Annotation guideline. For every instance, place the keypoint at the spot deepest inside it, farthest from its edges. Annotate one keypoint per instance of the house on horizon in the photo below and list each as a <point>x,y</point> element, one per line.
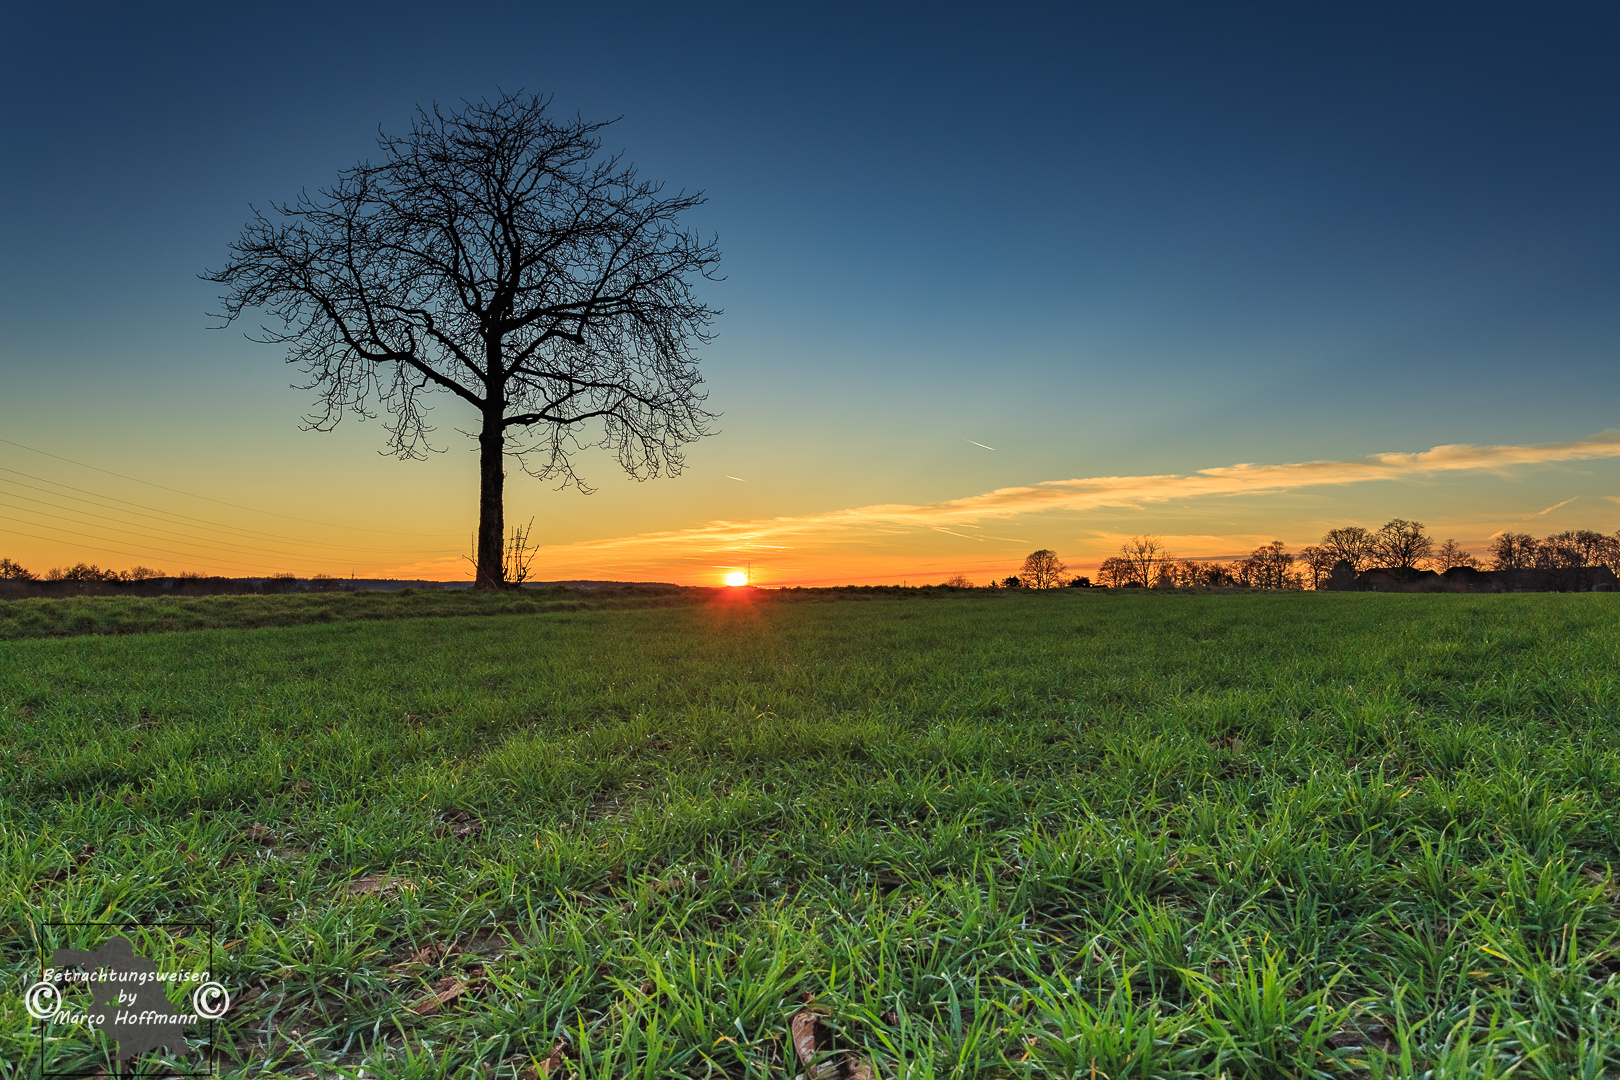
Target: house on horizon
<point>1468,579</point>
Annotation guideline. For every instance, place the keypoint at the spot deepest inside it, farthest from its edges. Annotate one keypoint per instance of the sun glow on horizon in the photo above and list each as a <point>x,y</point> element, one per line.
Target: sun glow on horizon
<point>737,577</point>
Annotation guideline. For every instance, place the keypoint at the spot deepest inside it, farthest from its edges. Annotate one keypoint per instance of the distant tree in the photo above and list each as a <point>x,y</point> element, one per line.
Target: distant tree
<point>1271,567</point>
<point>1594,547</point>
<point>1192,574</point>
<point>958,581</point>
<point>1242,571</point>
<point>1402,545</point>
<point>277,584</point>
<point>1115,573</point>
<point>1042,570</point>
<point>10,571</point>
<point>1611,554</point>
<point>1450,554</point>
<point>80,572</point>
<point>1145,555</point>
<point>1079,581</point>
<point>489,254</point>
<point>1351,544</point>
<point>1570,559</point>
<point>1319,560</point>
<point>139,573</point>
<point>1011,582</point>
<point>1513,553</point>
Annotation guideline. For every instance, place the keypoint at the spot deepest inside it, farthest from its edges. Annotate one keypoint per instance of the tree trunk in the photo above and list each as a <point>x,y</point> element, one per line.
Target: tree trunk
<point>491,508</point>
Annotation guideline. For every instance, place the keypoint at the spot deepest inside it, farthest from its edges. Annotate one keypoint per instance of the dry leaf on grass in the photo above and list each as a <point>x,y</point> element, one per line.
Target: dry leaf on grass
<point>258,834</point>
<point>445,991</point>
<point>809,1039</point>
<point>803,1029</point>
<point>555,1061</point>
<point>60,873</point>
<point>381,885</point>
<point>461,825</point>
<point>1377,1035</point>
<point>858,1067</point>
<point>428,955</point>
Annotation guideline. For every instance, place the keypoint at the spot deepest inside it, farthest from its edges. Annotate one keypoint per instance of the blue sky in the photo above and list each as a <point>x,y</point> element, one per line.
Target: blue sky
<point>1107,241</point>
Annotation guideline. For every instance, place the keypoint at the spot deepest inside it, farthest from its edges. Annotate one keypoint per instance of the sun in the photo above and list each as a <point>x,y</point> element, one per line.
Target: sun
<point>736,577</point>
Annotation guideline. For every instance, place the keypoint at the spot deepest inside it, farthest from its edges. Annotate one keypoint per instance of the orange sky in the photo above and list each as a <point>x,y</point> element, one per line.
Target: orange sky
<point>60,511</point>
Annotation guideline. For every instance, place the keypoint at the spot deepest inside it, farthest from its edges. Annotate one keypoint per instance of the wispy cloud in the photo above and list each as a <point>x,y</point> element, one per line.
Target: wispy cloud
<point>1554,506</point>
<point>846,529</point>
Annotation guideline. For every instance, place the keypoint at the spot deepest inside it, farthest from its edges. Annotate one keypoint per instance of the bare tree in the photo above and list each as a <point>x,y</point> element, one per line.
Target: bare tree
<point>1570,560</point>
<point>1204,575</point>
<point>958,581</point>
<point>1402,545</point>
<point>1319,560</point>
<point>1146,557</point>
<point>490,256</point>
<point>1351,544</point>
<point>80,572</point>
<point>13,571</point>
<point>1115,572</point>
<point>1450,554</point>
<point>1513,553</point>
<point>1042,570</point>
<point>1611,554</point>
<point>1271,567</point>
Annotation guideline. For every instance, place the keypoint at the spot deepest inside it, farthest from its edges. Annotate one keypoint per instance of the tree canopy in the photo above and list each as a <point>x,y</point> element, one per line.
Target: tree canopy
<point>492,256</point>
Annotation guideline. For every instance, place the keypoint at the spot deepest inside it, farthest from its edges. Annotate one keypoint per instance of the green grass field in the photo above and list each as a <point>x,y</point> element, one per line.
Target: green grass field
<point>1072,834</point>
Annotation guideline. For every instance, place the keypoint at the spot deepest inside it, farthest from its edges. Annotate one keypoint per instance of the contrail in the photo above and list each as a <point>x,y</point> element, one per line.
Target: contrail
<point>981,444</point>
<point>739,479</point>
<point>1554,506</point>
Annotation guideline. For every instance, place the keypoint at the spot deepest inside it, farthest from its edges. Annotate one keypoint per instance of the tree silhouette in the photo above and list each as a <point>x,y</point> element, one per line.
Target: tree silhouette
<point>1042,570</point>
<point>1270,567</point>
<point>1115,572</point>
<point>1402,545</point>
<point>1351,544</point>
<point>1450,554</point>
<point>1146,557</point>
<point>1513,553</point>
<point>490,256</point>
<point>1320,561</point>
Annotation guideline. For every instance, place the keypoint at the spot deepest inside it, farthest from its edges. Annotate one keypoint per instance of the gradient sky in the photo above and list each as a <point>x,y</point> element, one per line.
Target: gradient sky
<point>1130,247</point>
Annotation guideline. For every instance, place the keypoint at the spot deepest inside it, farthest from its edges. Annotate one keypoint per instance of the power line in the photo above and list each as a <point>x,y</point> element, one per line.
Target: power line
<point>129,530</point>
<point>172,518</point>
<point>206,498</point>
<point>110,551</point>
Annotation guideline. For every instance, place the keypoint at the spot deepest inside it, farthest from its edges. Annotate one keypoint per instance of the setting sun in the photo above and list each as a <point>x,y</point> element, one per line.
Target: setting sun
<point>736,577</point>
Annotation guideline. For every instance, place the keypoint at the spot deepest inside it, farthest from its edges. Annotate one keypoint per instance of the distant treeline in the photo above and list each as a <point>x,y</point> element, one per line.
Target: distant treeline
<point>87,579</point>
<point>1399,554</point>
